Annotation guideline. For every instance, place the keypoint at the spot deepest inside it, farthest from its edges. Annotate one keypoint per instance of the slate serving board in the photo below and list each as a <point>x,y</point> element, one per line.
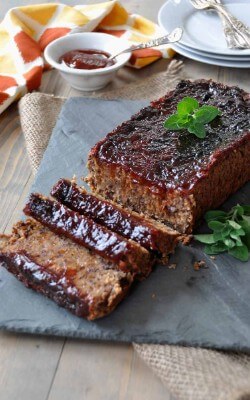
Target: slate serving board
<point>208,308</point>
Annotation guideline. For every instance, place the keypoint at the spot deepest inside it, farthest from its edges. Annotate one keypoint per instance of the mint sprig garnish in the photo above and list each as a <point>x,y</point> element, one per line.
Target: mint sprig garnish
<point>192,117</point>
<point>231,232</point>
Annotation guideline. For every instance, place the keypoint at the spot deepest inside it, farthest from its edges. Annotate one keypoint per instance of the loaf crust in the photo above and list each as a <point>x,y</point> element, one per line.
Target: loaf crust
<point>174,176</point>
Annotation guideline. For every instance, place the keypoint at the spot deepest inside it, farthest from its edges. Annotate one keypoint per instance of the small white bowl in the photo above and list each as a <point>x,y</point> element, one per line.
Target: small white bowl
<point>83,79</point>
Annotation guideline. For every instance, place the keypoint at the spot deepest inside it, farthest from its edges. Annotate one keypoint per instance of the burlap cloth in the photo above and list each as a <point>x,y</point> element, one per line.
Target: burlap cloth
<point>188,373</point>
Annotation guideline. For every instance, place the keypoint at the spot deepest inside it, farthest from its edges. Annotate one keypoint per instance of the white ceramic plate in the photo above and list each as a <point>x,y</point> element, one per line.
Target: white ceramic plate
<point>217,56</point>
<point>212,55</point>
<point>203,29</point>
<point>210,60</point>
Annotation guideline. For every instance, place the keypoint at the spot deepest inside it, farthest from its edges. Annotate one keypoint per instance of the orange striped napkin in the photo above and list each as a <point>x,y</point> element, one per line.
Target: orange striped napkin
<point>26,31</point>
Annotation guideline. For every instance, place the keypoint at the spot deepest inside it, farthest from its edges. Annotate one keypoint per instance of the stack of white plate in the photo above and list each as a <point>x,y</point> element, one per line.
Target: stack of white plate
<point>203,39</point>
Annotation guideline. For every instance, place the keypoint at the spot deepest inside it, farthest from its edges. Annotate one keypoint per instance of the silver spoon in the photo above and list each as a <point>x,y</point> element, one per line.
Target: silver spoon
<point>172,37</point>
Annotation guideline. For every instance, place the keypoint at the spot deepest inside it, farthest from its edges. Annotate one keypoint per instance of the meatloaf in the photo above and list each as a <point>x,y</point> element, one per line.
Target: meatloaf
<point>127,254</point>
<point>66,272</point>
<point>150,234</point>
<point>174,176</point>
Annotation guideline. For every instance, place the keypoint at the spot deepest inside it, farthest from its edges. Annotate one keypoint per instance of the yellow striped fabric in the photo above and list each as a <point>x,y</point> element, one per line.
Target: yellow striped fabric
<point>26,31</point>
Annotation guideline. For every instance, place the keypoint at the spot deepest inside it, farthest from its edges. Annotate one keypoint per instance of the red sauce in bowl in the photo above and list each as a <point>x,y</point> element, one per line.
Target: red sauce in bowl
<point>86,59</point>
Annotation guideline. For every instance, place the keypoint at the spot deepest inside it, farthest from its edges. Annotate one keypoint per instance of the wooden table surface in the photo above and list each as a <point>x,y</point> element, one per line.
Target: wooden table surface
<point>47,368</point>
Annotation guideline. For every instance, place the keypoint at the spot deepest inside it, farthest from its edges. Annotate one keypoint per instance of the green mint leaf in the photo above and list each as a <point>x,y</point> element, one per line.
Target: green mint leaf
<point>220,235</point>
<point>197,129</point>
<point>240,232</point>
<point>234,224</point>
<point>229,243</point>
<point>246,239</point>
<point>172,123</point>
<point>231,232</point>
<point>216,226</point>
<point>208,250</point>
<point>215,248</point>
<point>246,218</point>
<point>191,117</point>
<point>206,238</point>
<point>236,233</point>
<point>227,229</point>
<point>206,114</point>
<point>237,240</point>
<point>214,214</point>
<point>187,106</point>
<point>240,252</point>
<point>219,247</point>
<point>176,122</point>
<point>239,210</point>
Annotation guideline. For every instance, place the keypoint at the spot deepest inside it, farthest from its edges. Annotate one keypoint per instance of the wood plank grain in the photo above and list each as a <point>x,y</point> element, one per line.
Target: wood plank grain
<point>27,365</point>
<point>14,166</point>
<point>91,371</point>
<point>100,371</point>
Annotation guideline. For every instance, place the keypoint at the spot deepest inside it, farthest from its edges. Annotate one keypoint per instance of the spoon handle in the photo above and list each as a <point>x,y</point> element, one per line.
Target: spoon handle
<point>239,29</point>
<point>172,37</point>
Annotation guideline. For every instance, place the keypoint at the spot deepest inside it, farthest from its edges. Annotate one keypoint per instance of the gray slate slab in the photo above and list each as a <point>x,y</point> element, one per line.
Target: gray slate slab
<point>209,308</point>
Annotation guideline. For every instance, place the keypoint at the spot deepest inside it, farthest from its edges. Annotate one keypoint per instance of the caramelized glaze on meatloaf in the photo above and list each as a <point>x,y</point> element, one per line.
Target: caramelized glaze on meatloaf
<point>174,176</point>
<point>150,234</point>
<point>127,254</point>
<point>71,275</point>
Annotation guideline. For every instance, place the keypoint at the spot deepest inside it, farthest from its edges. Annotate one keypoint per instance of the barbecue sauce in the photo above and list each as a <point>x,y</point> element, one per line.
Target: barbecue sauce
<point>177,160</point>
<point>86,59</point>
<point>106,214</point>
<point>87,233</point>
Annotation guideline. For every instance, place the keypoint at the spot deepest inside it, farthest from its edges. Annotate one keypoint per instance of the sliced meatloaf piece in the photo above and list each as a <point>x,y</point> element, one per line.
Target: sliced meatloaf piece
<point>150,234</point>
<point>174,176</point>
<point>69,274</point>
<point>127,254</point>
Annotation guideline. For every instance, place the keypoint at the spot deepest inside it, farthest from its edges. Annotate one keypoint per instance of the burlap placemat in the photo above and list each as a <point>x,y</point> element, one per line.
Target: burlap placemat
<point>188,373</point>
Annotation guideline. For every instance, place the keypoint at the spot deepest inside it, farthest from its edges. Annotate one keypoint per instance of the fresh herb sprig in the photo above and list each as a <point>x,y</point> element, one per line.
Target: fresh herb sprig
<point>192,117</point>
<point>231,232</point>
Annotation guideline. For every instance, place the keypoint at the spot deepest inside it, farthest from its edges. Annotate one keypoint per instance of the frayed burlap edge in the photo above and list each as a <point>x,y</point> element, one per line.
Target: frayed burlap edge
<point>199,374</point>
<point>188,373</point>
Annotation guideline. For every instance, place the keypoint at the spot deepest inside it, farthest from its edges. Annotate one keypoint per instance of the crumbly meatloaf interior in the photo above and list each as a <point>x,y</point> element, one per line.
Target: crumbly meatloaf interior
<point>127,254</point>
<point>174,176</point>
<point>150,234</point>
<point>117,185</point>
<point>73,276</point>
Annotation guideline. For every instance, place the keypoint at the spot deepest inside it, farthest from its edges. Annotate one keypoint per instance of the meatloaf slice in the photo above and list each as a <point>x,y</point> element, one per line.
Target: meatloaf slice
<point>127,254</point>
<point>66,272</point>
<point>150,234</point>
<point>174,176</point>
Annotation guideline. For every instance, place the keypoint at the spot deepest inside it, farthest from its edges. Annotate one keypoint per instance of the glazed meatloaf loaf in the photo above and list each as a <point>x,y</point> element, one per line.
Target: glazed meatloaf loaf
<point>64,271</point>
<point>127,254</point>
<point>173,176</point>
<point>150,234</point>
